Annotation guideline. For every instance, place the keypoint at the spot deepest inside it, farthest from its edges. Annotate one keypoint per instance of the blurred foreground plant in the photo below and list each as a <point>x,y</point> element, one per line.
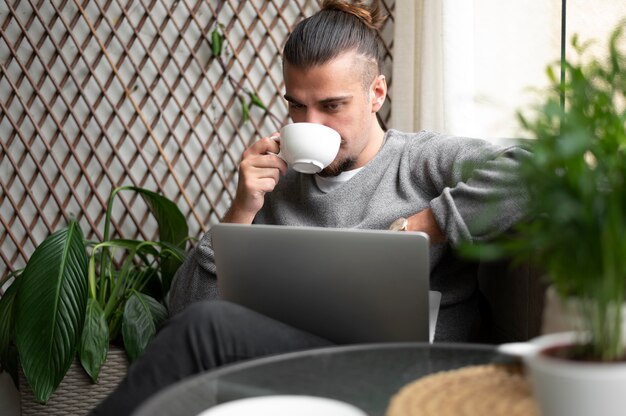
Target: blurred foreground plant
<point>575,179</point>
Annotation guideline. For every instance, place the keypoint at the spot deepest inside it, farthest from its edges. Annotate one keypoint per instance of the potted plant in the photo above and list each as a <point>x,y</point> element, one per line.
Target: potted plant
<point>576,180</point>
<point>76,297</point>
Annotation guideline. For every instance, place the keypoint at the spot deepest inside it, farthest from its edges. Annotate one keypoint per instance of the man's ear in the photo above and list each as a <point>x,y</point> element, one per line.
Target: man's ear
<point>378,92</point>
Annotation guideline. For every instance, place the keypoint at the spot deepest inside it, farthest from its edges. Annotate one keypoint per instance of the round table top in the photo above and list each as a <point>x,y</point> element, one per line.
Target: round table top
<point>366,376</point>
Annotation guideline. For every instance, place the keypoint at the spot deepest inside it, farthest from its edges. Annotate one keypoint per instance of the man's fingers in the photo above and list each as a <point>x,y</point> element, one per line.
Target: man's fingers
<point>264,161</point>
<point>259,172</point>
<point>262,175</point>
<point>262,147</point>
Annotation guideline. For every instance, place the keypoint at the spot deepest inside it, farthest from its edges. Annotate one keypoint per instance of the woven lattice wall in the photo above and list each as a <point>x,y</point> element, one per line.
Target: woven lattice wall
<point>98,94</point>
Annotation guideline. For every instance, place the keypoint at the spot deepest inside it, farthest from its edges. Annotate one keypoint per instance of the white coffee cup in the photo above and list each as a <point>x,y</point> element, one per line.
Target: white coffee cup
<point>308,147</point>
<point>284,405</point>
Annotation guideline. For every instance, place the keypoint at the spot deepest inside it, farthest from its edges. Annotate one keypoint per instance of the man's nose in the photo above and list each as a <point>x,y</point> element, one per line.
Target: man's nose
<point>313,116</point>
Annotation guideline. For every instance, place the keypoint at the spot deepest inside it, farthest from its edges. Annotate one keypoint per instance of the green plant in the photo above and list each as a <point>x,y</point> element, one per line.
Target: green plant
<point>577,191</point>
<point>75,297</point>
<point>249,98</point>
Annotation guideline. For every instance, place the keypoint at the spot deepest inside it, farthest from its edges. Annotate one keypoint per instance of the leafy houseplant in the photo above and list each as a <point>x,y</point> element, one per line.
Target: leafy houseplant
<point>576,179</point>
<point>75,297</point>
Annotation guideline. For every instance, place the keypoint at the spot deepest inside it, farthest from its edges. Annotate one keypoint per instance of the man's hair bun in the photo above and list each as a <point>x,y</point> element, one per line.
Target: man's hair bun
<point>370,14</point>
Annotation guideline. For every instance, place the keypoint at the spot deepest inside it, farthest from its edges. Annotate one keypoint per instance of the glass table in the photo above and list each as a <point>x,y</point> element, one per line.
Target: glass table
<point>366,376</point>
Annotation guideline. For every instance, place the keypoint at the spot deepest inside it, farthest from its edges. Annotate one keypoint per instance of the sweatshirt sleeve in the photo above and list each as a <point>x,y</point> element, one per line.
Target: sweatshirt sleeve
<point>195,279</point>
<point>479,194</point>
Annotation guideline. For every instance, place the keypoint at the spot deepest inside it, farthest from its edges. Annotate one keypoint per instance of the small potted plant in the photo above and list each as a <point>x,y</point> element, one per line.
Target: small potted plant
<point>576,180</point>
<point>76,297</point>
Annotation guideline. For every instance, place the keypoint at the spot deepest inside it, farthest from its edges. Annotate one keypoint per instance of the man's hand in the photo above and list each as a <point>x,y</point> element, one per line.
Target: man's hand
<point>425,221</point>
<point>259,172</point>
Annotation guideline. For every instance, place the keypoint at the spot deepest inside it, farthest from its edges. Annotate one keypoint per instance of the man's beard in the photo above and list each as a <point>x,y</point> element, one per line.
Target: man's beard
<point>337,167</point>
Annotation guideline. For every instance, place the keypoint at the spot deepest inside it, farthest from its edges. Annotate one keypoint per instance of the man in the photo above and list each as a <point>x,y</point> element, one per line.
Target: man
<point>333,77</point>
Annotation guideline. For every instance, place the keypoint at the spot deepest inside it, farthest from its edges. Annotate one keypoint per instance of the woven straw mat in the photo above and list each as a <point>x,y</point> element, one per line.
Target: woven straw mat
<point>475,390</point>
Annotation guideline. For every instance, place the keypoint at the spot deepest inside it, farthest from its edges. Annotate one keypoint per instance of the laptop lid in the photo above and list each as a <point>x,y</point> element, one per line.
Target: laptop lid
<point>345,285</point>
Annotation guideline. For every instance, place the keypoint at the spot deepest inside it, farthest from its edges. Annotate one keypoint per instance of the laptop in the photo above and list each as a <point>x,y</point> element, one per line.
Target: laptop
<point>345,285</point>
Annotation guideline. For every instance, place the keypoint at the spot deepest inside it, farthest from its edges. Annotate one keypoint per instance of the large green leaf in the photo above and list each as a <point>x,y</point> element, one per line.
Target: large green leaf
<point>172,256</point>
<point>7,322</point>
<point>130,245</point>
<point>142,317</point>
<point>7,331</point>
<point>172,229</point>
<point>94,341</point>
<point>50,309</point>
<point>172,224</point>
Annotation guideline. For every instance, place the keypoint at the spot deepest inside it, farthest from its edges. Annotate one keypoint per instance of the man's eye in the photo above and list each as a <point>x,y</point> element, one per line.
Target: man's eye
<point>333,106</point>
<point>295,106</point>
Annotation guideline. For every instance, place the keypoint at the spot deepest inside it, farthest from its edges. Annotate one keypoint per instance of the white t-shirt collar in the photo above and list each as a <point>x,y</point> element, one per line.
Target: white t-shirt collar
<point>327,184</point>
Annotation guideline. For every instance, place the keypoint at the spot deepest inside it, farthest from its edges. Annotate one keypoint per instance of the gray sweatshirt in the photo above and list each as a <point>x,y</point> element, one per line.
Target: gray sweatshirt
<point>469,184</point>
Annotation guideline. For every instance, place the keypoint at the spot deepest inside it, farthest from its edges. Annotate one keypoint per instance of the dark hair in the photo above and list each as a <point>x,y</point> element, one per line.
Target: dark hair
<point>338,27</point>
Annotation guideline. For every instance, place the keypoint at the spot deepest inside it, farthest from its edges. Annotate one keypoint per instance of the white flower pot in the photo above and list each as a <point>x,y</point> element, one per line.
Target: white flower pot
<point>573,388</point>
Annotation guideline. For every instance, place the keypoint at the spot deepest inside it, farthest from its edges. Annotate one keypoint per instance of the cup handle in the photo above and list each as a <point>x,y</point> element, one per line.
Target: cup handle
<point>276,137</point>
<point>517,349</point>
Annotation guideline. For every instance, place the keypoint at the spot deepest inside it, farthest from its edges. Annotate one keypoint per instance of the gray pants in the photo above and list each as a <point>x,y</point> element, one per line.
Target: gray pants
<point>202,337</point>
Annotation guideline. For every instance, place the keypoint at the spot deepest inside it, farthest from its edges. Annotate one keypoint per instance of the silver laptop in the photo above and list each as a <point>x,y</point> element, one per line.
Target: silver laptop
<point>345,285</point>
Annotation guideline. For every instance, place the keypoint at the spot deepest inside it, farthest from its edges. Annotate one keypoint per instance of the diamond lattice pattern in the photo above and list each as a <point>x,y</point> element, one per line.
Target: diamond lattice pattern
<point>99,94</point>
